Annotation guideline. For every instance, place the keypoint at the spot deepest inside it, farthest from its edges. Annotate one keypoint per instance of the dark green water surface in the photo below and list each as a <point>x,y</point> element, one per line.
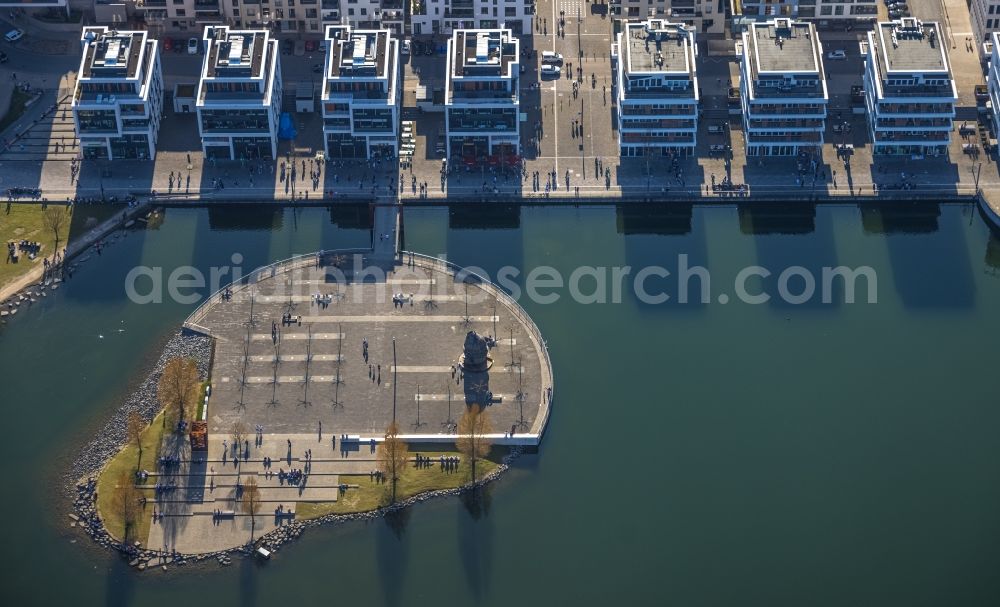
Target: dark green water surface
<point>698,454</point>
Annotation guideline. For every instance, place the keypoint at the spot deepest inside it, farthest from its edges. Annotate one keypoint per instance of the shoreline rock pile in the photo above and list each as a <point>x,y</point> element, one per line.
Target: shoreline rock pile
<point>111,437</point>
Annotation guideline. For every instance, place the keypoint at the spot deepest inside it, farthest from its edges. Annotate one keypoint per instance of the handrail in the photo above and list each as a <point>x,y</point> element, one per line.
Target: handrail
<point>548,380</point>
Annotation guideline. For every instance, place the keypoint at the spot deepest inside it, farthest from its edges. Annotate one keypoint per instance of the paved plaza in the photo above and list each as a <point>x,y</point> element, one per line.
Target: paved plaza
<point>291,359</point>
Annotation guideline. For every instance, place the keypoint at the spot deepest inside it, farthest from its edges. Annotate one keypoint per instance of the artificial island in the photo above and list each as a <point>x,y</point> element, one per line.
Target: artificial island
<point>326,372</point>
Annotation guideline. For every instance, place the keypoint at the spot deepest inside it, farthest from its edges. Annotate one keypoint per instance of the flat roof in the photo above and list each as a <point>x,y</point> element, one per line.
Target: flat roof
<point>235,53</point>
<point>358,53</point>
<point>483,53</point>
<point>911,46</point>
<point>658,46</point>
<point>109,53</point>
<point>783,45</point>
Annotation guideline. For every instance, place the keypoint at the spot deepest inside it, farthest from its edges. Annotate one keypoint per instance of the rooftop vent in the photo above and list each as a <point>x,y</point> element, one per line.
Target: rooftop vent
<point>235,50</point>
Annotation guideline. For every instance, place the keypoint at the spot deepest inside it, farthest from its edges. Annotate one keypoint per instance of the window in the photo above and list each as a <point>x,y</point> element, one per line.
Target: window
<point>291,13</point>
<point>181,12</point>
<point>485,10</point>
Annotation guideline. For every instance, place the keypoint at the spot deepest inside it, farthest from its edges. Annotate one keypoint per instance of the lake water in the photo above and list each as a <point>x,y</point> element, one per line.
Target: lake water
<point>698,454</point>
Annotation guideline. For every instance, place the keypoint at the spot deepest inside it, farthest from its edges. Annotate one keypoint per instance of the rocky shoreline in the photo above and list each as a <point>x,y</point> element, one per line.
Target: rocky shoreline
<point>86,517</point>
<point>111,439</point>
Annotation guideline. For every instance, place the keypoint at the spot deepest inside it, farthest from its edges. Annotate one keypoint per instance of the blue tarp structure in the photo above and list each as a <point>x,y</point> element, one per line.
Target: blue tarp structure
<point>286,128</point>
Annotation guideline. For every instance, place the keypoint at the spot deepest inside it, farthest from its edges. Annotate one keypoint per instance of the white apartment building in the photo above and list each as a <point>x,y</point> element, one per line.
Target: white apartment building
<point>823,10</point>
<point>365,14</point>
<point>239,94</point>
<point>118,99</point>
<point>782,88</point>
<point>985,16</point>
<point>657,88</point>
<point>704,16</point>
<point>909,90</point>
<point>993,81</point>
<point>482,99</point>
<point>284,16</point>
<point>446,16</point>
<point>361,93</point>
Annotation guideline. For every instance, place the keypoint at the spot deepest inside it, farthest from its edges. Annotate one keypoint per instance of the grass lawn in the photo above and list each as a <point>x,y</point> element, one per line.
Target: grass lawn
<point>18,99</point>
<point>371,494</point>
<point>25,222</point>
<point>125,461</point>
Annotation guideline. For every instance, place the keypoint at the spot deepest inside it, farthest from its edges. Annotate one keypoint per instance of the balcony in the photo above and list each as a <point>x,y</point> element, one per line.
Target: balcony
<point>804,137</point>
<point>905,136</point>
<point>651,125</point>
<point>645,110</point>
<point>149,4</point>
<point>787,110</point>
<point>786,124</point>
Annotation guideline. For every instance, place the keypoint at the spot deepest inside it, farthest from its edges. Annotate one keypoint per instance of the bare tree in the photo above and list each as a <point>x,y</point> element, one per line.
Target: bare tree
<point>239,434</point>
<point>472,441</point>
<point>178,387</point>
<point>55,217</point>
<point>134,425</point>
<point>392,455</point>
<point>125,501</point>
<point>250,503</point>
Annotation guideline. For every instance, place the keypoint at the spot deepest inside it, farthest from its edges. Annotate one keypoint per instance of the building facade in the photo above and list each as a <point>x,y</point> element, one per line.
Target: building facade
<point>704,16</point>
<point>782,88</point>
<point>361,93</point>
<point>365,14</point>
<point>909,90</point>
<point>482,98</point>
<point>985,17</point>
<point>823,10</point>
<point>656,91</point>
<point>993,82</point>
<point>118,100</point>
<point>429,17</point>
<point>239,94</point>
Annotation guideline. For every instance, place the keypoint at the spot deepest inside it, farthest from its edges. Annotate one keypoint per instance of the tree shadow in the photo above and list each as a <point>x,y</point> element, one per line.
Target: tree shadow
<point>248,592</point>
<point>391,555</point>
<point>475,540</point>
<point>120,583</point>
<point>397,521</point>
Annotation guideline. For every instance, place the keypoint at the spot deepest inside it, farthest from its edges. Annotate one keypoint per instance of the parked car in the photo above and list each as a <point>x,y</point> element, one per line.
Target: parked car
<point>179,45</point>
<point>3,57</point>
<point>311,46</point>
<point>550,70</point>
<point>897,13</point>
<point>192,46</point>
<point>899,6</point>
<point>406,47</point>
<point>168,44</point>
<point>317,68</point>
<point>14,35</point>
<point>837,54</point>
<point>287,46</point>
<point>551,57</point>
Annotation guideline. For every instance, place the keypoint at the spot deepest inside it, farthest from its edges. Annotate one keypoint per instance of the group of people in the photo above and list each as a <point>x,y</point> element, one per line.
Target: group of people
<point>287,319</point>
<point>17,193</point>
<point>400,299</point>
<point>293,476</point>
<point>322,300</point>
<point>26,247</point>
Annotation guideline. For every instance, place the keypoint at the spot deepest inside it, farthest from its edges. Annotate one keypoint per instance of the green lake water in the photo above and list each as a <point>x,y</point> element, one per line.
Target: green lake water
<point>698,454</point>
